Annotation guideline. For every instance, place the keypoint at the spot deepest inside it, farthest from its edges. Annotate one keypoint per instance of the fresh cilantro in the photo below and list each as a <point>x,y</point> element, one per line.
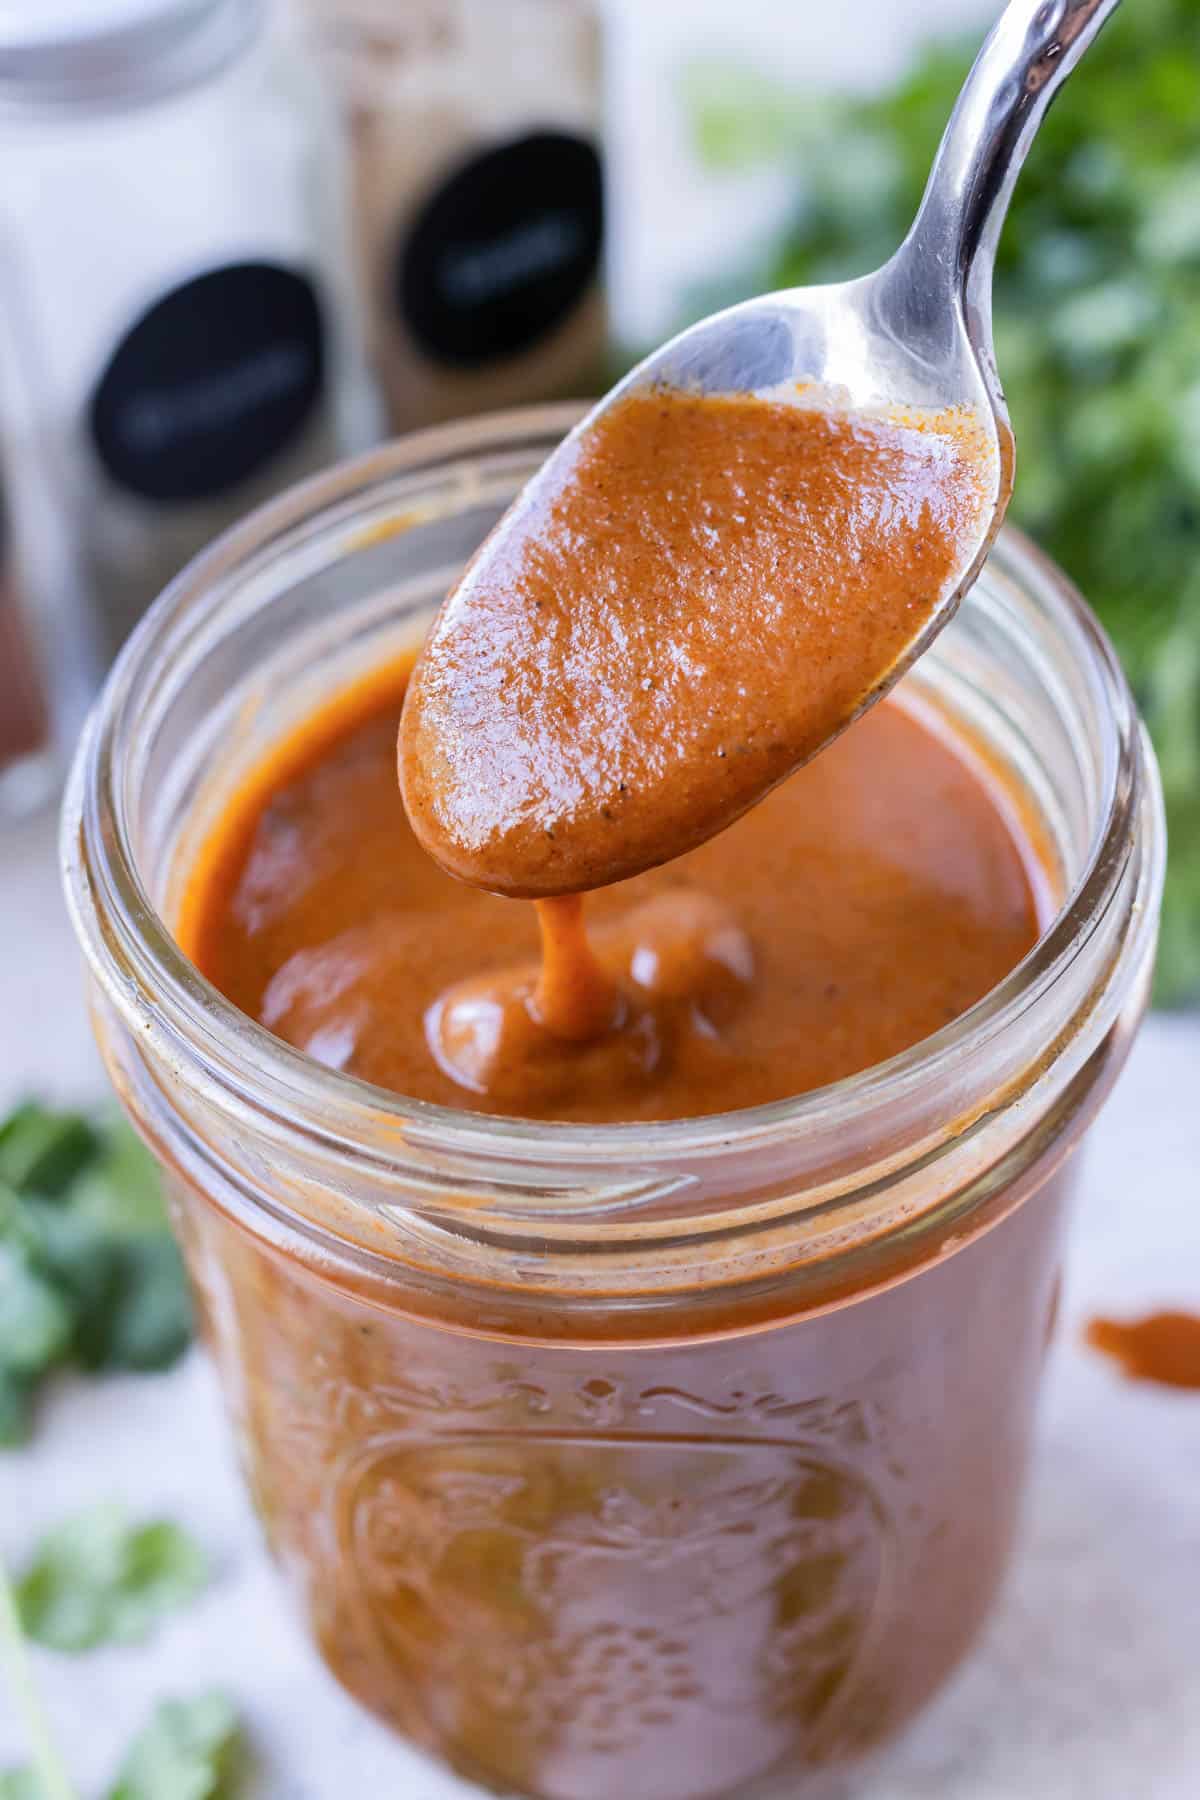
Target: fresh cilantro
<point>89,1272</point>
<point>35,1320</point>
<point>1097,318</point>
<point>188,1751</point>
<point>100,1579</point>
<point>119,1189</point>
<point>44,1778</point>
<point>43,1151</point>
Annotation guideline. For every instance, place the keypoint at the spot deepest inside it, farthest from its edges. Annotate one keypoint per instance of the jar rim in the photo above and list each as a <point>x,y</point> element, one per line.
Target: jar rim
<point>133,954</point>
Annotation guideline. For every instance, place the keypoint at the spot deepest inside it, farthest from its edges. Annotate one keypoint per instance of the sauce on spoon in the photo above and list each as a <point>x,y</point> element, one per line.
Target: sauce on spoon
<point>673,621</point>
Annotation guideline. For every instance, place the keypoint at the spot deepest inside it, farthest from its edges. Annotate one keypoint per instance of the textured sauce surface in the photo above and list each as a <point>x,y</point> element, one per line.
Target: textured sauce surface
<point>669,622</point>
<point>866,902</point>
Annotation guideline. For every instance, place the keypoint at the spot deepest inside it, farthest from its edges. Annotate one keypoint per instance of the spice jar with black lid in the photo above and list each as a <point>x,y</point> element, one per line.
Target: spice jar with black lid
<point>170,191</point>
<point>474,133</point>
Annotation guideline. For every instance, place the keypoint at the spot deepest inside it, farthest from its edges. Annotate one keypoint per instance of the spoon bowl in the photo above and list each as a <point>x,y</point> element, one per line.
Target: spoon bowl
<point>743,546</point>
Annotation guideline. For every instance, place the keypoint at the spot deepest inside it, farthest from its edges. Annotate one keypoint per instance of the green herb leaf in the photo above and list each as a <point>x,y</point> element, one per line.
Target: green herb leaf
<point>99,1579</point>
<point>128,1290</point>
<point>119,1190</point>
<point>45,1778</point>
<point>188,1751</point>
<point>89,1271</point>
<point>43,1151</point>
<point>35,1320</point>
<point>16,1409</point>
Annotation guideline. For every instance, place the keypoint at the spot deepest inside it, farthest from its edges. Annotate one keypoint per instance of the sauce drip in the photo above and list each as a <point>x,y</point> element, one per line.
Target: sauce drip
<point>671,620</point>
<point>1164,1347</point>
<point>574,997</point>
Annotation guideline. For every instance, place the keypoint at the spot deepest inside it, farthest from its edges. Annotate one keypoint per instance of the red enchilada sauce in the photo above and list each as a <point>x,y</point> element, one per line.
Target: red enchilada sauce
<point>865,903</point>
<point>662,629</point>
<point>707,595</point>
<point>573,1563</point>
<point>1164,1347</point>
<point>586,1567</point>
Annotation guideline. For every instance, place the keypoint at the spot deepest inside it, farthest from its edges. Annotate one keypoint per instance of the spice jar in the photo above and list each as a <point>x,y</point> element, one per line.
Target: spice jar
<point>474,132</point>
<point>169,188</point>
<point>627,1459</point>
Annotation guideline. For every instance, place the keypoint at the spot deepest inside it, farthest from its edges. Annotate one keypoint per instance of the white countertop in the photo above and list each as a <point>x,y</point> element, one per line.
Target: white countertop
<point>1086,1686</point>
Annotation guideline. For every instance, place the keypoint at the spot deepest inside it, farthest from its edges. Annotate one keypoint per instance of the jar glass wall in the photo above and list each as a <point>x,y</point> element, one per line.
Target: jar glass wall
<point>662,1459</point>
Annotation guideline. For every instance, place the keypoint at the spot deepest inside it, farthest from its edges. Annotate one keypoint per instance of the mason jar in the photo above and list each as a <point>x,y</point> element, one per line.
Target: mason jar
<point>678,1459</point>
<point>176,296</point>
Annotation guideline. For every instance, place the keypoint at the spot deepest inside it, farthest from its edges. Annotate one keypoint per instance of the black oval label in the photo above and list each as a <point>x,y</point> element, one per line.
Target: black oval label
<point>212,381</point>
<point>504,249</point>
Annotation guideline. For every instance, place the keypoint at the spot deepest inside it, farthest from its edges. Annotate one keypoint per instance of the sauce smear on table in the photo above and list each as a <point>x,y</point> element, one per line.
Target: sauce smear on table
<point>1164,1347</point>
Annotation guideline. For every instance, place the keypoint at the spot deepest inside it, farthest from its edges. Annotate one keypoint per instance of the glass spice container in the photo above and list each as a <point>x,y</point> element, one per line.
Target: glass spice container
<point>169,179</point>
<point>474,133</point>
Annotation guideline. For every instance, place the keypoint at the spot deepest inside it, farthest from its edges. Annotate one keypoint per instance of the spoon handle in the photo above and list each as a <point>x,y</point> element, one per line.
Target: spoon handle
<point>1031,50</point>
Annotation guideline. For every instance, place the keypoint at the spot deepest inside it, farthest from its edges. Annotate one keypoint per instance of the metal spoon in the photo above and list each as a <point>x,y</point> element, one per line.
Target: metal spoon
<point>918,331</point>
<point>915,336</point>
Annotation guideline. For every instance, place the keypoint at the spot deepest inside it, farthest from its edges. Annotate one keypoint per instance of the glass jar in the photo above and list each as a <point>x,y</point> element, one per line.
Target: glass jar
<point>475,143</point>
<point>175,297</point>
<point>663,1459</point>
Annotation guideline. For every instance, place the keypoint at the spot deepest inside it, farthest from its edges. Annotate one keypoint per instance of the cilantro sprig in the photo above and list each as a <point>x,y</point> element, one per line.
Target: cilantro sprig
<point>90,1275</point>
<point>100,1578</point>
<point>44,1778</point>
<point>189,1749</point>
<point>89,1272</point>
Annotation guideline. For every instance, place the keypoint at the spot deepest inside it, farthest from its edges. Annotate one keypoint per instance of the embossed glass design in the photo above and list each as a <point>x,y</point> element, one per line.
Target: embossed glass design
<point>674,1460</point>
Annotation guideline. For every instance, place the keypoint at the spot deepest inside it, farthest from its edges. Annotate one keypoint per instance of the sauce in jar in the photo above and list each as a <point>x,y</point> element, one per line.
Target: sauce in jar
<point>664,1457</point>
<point>872,898</point>
<point>559,1573</point>
<point>541,1609</point>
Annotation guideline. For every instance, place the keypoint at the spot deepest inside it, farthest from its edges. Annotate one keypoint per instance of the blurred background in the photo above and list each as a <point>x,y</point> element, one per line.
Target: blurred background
<point>241,238</point>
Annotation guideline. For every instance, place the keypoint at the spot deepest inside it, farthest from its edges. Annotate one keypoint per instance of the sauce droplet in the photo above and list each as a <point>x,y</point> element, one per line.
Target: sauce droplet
<point>1164,1347</point>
